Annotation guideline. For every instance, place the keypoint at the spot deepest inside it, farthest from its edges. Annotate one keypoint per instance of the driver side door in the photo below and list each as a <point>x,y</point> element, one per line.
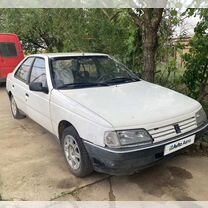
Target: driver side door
<point>38,108</point>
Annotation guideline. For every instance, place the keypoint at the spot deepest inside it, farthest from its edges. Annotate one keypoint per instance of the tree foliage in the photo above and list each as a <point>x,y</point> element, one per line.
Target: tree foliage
<point>196,61</point>
<point>65,30</point>
<point>141,46</point>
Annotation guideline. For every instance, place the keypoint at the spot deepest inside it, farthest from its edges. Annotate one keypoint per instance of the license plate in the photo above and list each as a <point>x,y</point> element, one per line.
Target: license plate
<point>175,146</point>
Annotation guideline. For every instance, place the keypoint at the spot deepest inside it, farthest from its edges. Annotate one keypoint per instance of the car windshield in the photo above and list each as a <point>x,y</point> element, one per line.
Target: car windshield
<point>89,71</point>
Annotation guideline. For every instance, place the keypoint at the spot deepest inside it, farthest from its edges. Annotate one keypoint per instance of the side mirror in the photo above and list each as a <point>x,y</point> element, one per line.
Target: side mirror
<point>38,87</point>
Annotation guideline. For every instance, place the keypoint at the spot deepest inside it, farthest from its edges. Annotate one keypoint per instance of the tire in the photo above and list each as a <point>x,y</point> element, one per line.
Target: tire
<point>76,155</point>
<point>15,111</point>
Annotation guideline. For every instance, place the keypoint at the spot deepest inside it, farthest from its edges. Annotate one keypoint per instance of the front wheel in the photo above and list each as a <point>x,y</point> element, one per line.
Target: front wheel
<point>75,153</point>
<point>15,111</point>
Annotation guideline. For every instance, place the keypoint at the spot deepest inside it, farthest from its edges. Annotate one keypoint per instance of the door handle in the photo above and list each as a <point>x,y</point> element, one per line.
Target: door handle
<point>12,86</point>
<point>26,95</point>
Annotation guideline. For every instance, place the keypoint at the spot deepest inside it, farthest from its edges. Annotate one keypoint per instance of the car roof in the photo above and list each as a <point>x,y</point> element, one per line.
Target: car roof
<point>54,55</point>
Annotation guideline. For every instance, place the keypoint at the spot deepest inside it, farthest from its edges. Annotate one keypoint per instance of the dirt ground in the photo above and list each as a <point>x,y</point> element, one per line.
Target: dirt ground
<point>32,167</point>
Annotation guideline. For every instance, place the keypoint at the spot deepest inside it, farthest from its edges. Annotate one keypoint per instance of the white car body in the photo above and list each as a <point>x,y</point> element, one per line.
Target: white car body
<point>94,111</point>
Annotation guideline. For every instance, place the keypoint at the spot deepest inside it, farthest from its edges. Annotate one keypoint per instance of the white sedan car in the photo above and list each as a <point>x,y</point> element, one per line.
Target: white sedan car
<point>105,117</point>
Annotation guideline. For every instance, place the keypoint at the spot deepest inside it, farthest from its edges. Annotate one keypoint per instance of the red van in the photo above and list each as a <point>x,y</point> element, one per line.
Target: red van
<point>11,54</point>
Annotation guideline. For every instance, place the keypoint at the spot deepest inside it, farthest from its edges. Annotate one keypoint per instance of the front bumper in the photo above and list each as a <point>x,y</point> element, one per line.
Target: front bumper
<point>130,160</point>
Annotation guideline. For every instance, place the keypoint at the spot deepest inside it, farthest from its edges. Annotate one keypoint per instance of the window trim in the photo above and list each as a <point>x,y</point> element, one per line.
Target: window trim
<point>15,74</point>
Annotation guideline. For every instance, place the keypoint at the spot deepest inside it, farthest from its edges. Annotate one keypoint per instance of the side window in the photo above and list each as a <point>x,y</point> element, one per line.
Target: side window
<point>23,71</point>
<point>38,73</point>
<point>8,50</point>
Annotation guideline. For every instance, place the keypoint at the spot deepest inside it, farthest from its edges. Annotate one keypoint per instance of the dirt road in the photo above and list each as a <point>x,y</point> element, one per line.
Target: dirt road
<point>32,167</point>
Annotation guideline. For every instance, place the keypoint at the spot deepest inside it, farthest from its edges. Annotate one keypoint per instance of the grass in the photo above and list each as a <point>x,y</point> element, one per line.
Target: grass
<point>75,194</point>
<point>170,77</point>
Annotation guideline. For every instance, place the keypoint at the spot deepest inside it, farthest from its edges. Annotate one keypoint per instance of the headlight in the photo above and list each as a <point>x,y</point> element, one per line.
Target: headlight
<point>111,139</point>
<point>201,117</point>
<point>127,137</point>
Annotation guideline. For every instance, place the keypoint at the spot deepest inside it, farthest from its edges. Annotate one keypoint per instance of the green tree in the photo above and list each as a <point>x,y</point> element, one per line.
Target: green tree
<point>44,29</point>
<point>111,31</point>
<point>148,20</point>
<point>196,61</point>
<point>65,30</point>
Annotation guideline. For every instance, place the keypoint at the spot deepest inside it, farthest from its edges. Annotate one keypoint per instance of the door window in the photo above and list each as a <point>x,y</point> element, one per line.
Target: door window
<point>38,73</point>
<point>23,71</point>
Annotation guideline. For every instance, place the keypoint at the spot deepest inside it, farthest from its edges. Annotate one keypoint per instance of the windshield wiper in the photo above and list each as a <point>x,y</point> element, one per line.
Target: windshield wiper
<point>81,85</point>
<point>122,80</point>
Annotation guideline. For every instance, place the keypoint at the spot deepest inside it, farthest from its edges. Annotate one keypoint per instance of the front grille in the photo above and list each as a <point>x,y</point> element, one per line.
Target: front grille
<point>169,131</point>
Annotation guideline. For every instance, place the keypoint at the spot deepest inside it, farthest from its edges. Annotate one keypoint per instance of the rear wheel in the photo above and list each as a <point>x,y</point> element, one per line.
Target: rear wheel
<point>15,111</point>
<point>75,153</point>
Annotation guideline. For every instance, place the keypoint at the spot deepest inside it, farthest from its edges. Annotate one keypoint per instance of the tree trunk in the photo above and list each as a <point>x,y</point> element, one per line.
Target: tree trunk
<point>149,53</point>
<point>149,20</point>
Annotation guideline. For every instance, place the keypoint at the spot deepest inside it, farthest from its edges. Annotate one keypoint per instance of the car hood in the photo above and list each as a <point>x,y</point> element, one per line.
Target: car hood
<point>133,104</point>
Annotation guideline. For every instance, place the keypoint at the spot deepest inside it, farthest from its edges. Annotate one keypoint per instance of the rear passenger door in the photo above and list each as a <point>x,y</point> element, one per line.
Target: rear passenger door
<point>19,86</point>
<point>38,102</point>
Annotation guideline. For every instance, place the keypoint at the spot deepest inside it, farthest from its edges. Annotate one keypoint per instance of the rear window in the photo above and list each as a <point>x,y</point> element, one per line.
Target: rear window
<point>8,50</point>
